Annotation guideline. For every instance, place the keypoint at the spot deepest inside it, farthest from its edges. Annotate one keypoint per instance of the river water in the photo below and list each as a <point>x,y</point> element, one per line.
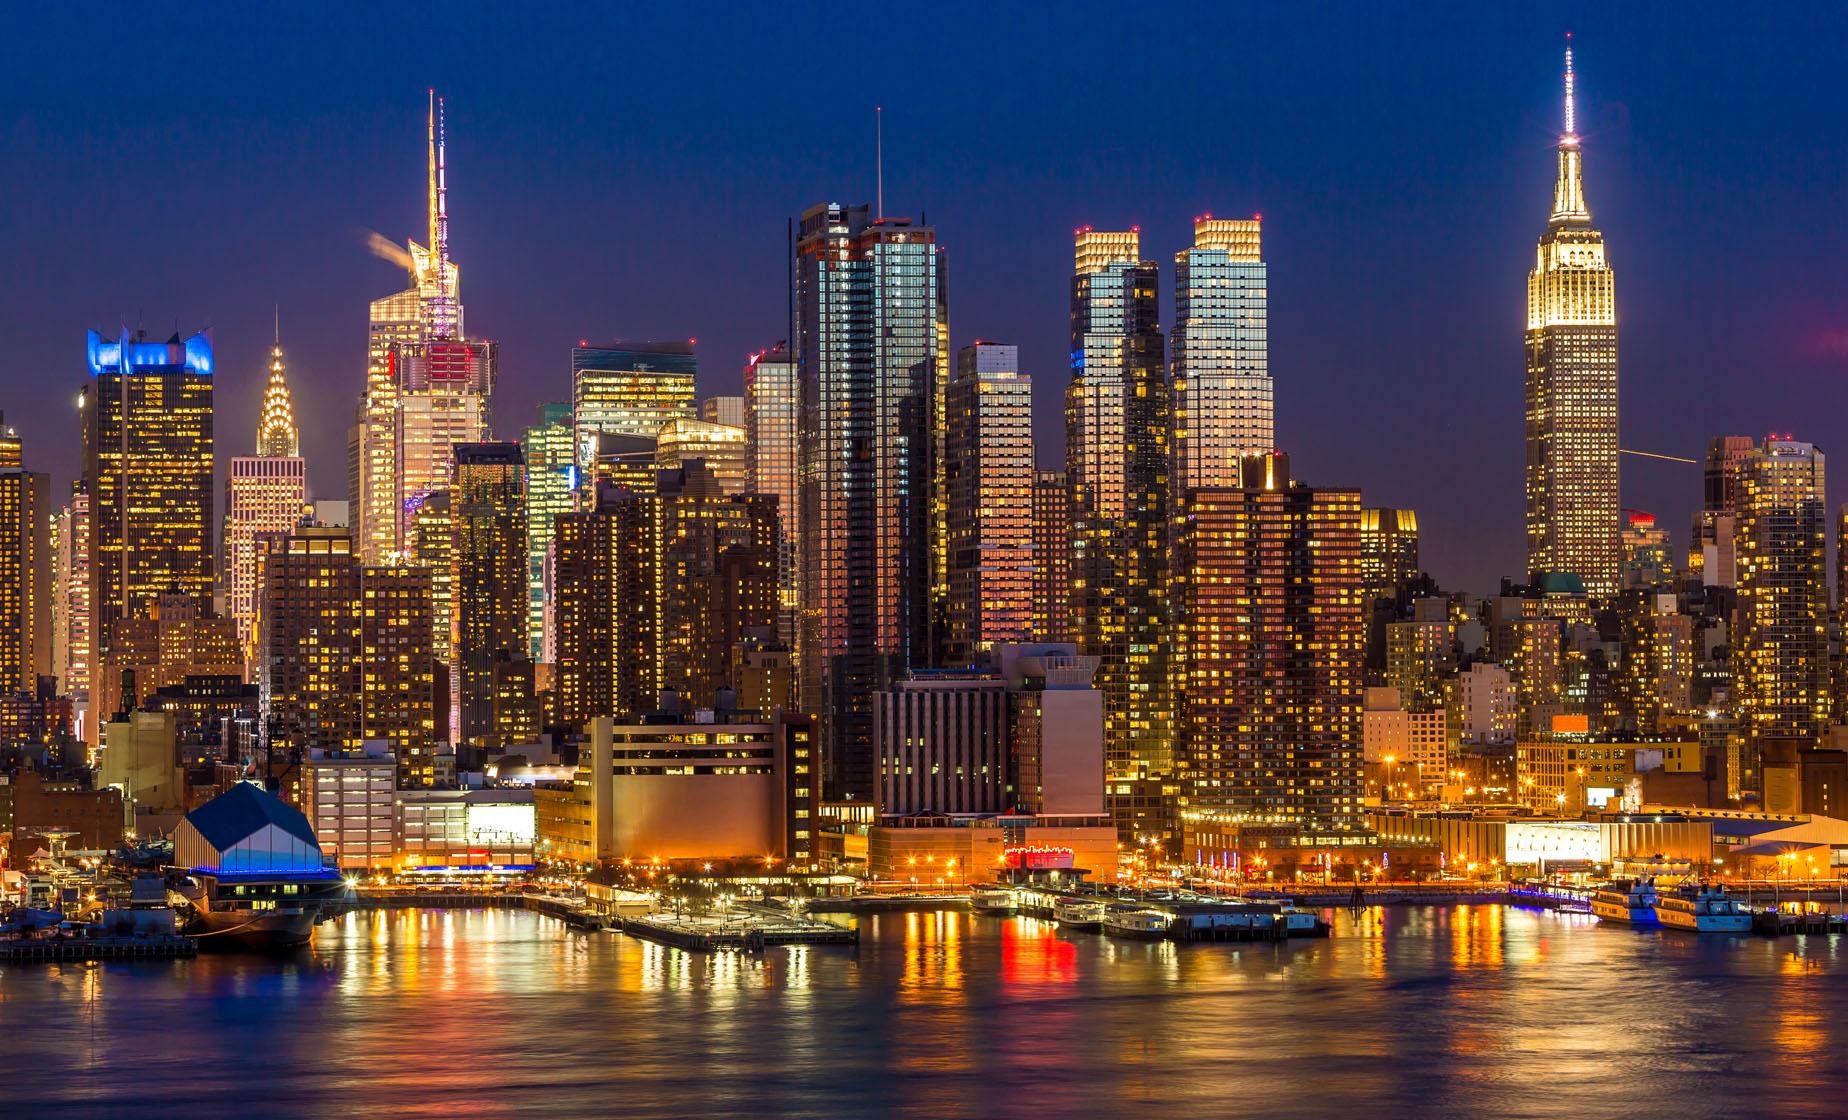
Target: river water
<point>1475,1011</point>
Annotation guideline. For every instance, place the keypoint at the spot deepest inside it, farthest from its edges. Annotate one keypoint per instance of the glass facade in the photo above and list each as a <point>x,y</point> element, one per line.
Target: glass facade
<point>629,389</point>
<point>989,479</point>
<point>771,423</point>
<point>869,329</point>
<point>722,447</point>
<point>551,478</point>
<point>1221,354</point>
<point>488,575</point>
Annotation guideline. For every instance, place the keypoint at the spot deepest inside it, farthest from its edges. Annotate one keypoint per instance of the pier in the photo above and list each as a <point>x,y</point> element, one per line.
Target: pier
<point>750,933</point>
<point>50,950</point>
<point>568,911</point>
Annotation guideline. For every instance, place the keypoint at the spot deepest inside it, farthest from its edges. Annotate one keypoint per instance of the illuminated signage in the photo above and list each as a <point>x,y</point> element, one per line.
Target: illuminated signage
<point>1038,857</point>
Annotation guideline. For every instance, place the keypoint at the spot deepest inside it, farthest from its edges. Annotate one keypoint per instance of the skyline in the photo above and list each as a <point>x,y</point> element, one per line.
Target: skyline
<point>1362,272</point>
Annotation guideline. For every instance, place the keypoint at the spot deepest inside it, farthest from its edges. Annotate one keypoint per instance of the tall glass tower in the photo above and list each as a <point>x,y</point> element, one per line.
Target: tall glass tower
<point>1117,461</point>
<point>1572,505</point>
<point>868,303</point>
<point>1221,354</point>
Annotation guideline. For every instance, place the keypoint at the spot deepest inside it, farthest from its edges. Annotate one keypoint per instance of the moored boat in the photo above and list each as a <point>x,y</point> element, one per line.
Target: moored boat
<point>1078,913</point>
<point>1137,924</point>
<point>1709,909</point>
<point>999,901</point>
<point>249,872</point>
<point>1626,902</point>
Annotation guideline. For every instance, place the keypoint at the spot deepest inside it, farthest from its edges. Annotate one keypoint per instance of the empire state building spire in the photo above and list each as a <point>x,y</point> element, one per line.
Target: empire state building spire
<point>1569,190</point>
<point>277,435</point>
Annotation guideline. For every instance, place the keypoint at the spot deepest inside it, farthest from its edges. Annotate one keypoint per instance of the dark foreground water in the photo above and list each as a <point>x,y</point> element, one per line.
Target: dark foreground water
<point>1430,1012</point>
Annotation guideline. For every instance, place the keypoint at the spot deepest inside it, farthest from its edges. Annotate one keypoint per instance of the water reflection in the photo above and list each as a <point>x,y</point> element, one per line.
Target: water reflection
<point>1404,1011</point>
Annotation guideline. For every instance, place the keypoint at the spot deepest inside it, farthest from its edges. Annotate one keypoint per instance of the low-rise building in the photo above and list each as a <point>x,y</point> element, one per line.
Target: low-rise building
<point>348,796</point>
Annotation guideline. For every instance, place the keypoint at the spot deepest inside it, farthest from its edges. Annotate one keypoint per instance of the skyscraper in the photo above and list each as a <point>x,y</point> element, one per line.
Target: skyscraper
<point>869,313</point>
<point>723,448</point>
<point>772,414</point>
<point>1780,618</point>
<point>726,410</point>
<point>629,389</point>
<point>1710,547</point>
<point>1221,354</point>
<point>989,480</point>
<point>147,468</point>
<point>1572,503</point>
<point>1388,551</point>
<point>75,594</point>
<point>551,483</point>
<point>603,615</point>
<point>1267,604</point>
<point>265,493</point>
<point>1052,557</point>
<point>1117,456</point>
<point>427,384</point>
<point>488,572</point>
<point>715,578</point>
<point>26,590</point>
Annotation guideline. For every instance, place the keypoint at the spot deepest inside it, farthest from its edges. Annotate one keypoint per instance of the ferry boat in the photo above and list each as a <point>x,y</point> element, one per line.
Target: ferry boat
<point>1078,913</point>
<point>1137,924</point>
<point>1708,910</point>
<point>1626,902</point>
<point>999,901</point>
<point>248,872</point>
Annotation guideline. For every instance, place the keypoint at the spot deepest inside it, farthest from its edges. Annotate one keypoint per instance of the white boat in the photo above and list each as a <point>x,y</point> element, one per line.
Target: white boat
<point>1708,910</point>
<point>1626,902</point>
<point>1140,925</point>
<point>1078,913</point>
<point>1000,901</point>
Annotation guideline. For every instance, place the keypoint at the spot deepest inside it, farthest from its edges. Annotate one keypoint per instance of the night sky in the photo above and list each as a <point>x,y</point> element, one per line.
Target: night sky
<point>629,174</point>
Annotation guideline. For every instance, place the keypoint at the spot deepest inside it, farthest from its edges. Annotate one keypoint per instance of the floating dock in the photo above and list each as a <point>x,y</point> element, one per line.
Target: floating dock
<point>751,934</point>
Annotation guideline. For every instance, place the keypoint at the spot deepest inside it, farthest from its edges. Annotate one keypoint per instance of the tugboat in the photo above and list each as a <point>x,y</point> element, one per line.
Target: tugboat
<point>249,873</point>
<point>1626,902</point>
<point>1708,910</point>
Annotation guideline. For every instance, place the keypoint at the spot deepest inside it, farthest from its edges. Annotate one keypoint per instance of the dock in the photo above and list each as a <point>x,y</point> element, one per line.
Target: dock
<point>751,933</point>
<point>50,950</point>
<point>1775,923</point>
<point>566,910</point>
<point>883,903</point>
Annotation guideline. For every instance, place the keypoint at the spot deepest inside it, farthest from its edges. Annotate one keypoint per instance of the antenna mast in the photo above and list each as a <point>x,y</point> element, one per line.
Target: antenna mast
<point>879,158</point>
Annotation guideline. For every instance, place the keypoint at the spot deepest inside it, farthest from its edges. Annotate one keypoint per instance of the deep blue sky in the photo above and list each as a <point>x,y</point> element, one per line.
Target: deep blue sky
<point>630,173</point>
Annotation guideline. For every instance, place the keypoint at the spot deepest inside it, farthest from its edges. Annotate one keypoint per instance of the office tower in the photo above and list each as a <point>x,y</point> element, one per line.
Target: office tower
<point>1572,387</point>
<point>147,468</point>
<point>1420,654</point>
<point>942,743</point>
<point>1220,354</point>
<point>265,493</point>
<point>432,541</point>
<point>868,315</point>
<point>444,386</point>
<point>12,448</point>
<point>1052,558</point>
<point>1117,462</point>
<point>551,484</point>
<point>428,384</point>
<point>1779,635</point>
<point>723,448</point>
<point>1710,545</point>
<point>1658,660</point>
<point>989,481</point>
<point>630,389</point>
<point>603,612</point>
<point>1388,551</point>
<point>723,410</point>
<point>1268,637</point>
<point>75,594</point>
<point>26,591</point>
<point>772,421</point>
<point>488,573</point>
<point>625,461</point>
<point>715,579</point>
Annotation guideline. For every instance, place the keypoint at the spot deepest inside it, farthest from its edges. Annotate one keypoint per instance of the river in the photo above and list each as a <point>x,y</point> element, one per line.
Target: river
<point>1423,1011</point>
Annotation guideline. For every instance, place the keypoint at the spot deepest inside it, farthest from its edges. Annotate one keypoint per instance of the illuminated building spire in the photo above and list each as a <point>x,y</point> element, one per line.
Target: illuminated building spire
<point>277,436</point>
<point>1569,189</point>
<point>430,123</point>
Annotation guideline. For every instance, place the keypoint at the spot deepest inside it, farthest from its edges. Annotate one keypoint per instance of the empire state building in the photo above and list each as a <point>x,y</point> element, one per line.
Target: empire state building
<point>1572,510</point>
